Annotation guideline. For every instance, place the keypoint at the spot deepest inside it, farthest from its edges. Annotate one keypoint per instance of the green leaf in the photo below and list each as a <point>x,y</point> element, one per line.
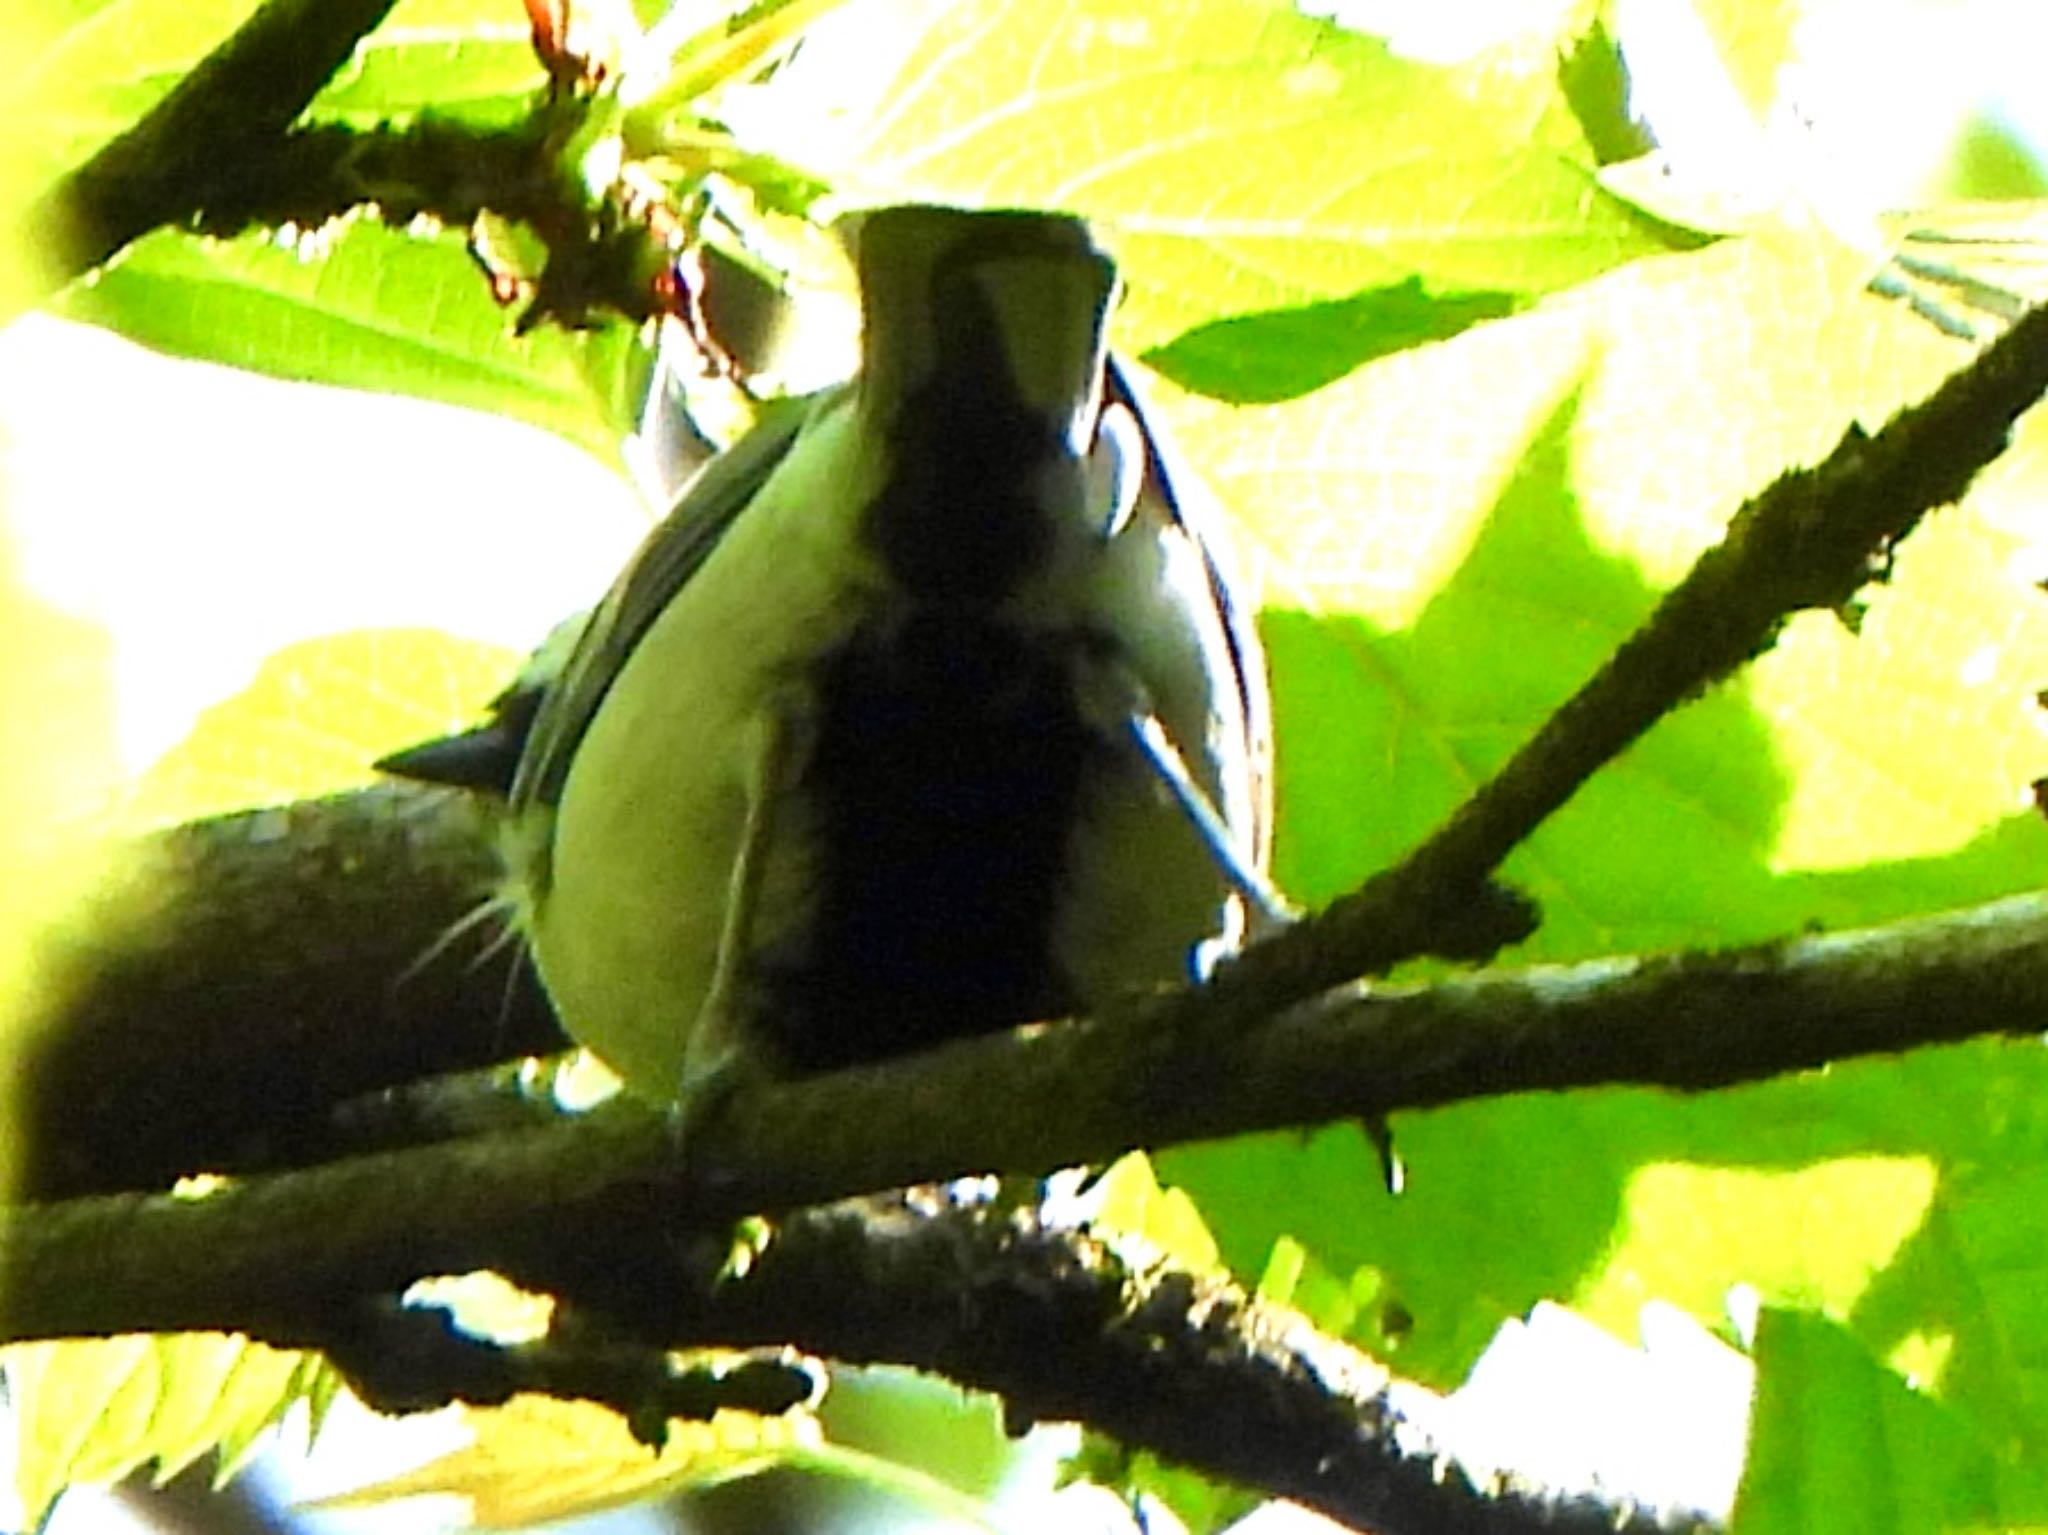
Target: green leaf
<point>536,1458</point>
<point>372,308</point>
<point>1961,1309</point>
<point>1839,1444</point>
<point>1282,354</point>
<point>893,1416</point>
<point>1127,1201</point>
<point>93,1410</point>
<point>1437,578</point>
<point>469,60</point>
<point>317,714</point>
<point>1596,83</point>
<point>1683,1227</point>
<point>1753,41</point>
<point>899,1480</point>
<point>727,50</point>
<point>1293,1278</point>
<point>101,64</point>
<point>1704,79</point>
<point>1991,161</point>
<point>97,66</point>
<point>1200,1505</point>
<point>1244,157</point>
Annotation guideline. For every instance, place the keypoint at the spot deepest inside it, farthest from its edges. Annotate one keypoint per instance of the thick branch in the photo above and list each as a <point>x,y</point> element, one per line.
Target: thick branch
<point>600,1212</point>
<point>1050,1318</point>
<point>1155,1076</point>
<point>255,953</point>
<point>1187,1366</point>
<point>1022,1102</point>
<point>286,959</point>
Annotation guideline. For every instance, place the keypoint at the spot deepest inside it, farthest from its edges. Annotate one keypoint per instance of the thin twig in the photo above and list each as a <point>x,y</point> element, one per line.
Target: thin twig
<point>400,1359</point>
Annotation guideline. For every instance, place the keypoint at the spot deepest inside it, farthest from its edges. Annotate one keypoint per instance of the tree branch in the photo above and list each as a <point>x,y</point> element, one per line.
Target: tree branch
<point>402,1358</point>
<point>1064,1328</point>
<point>1027,1101</point>
<point>221,154</point>
<point>290,958</point>
<point>1812,539</point>
<point>1050,1318</point>
<point>200,143</point>
<point>333,897</point>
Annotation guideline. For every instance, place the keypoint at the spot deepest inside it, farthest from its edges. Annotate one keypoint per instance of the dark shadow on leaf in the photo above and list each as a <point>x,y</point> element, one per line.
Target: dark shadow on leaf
<point>1283,354</point>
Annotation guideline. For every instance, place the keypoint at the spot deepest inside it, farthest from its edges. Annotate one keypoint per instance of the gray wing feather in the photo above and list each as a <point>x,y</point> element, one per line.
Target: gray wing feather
<point>1196,510</point>
<point>672,554</point>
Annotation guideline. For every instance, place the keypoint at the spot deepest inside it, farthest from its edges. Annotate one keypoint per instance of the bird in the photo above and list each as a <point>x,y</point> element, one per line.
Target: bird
<point>933,707</point>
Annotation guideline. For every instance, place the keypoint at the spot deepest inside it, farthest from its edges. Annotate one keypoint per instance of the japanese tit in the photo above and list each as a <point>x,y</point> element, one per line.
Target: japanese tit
<point>930,709</point>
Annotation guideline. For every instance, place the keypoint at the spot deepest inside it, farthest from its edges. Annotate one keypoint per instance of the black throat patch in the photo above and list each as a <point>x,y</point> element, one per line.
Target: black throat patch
<point>948,758</point>
<point>947,752</point>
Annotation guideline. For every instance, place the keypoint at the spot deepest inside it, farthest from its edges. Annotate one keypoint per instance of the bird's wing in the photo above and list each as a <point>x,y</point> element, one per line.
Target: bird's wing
<point>1195,509</point>
<point>672,554</point>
